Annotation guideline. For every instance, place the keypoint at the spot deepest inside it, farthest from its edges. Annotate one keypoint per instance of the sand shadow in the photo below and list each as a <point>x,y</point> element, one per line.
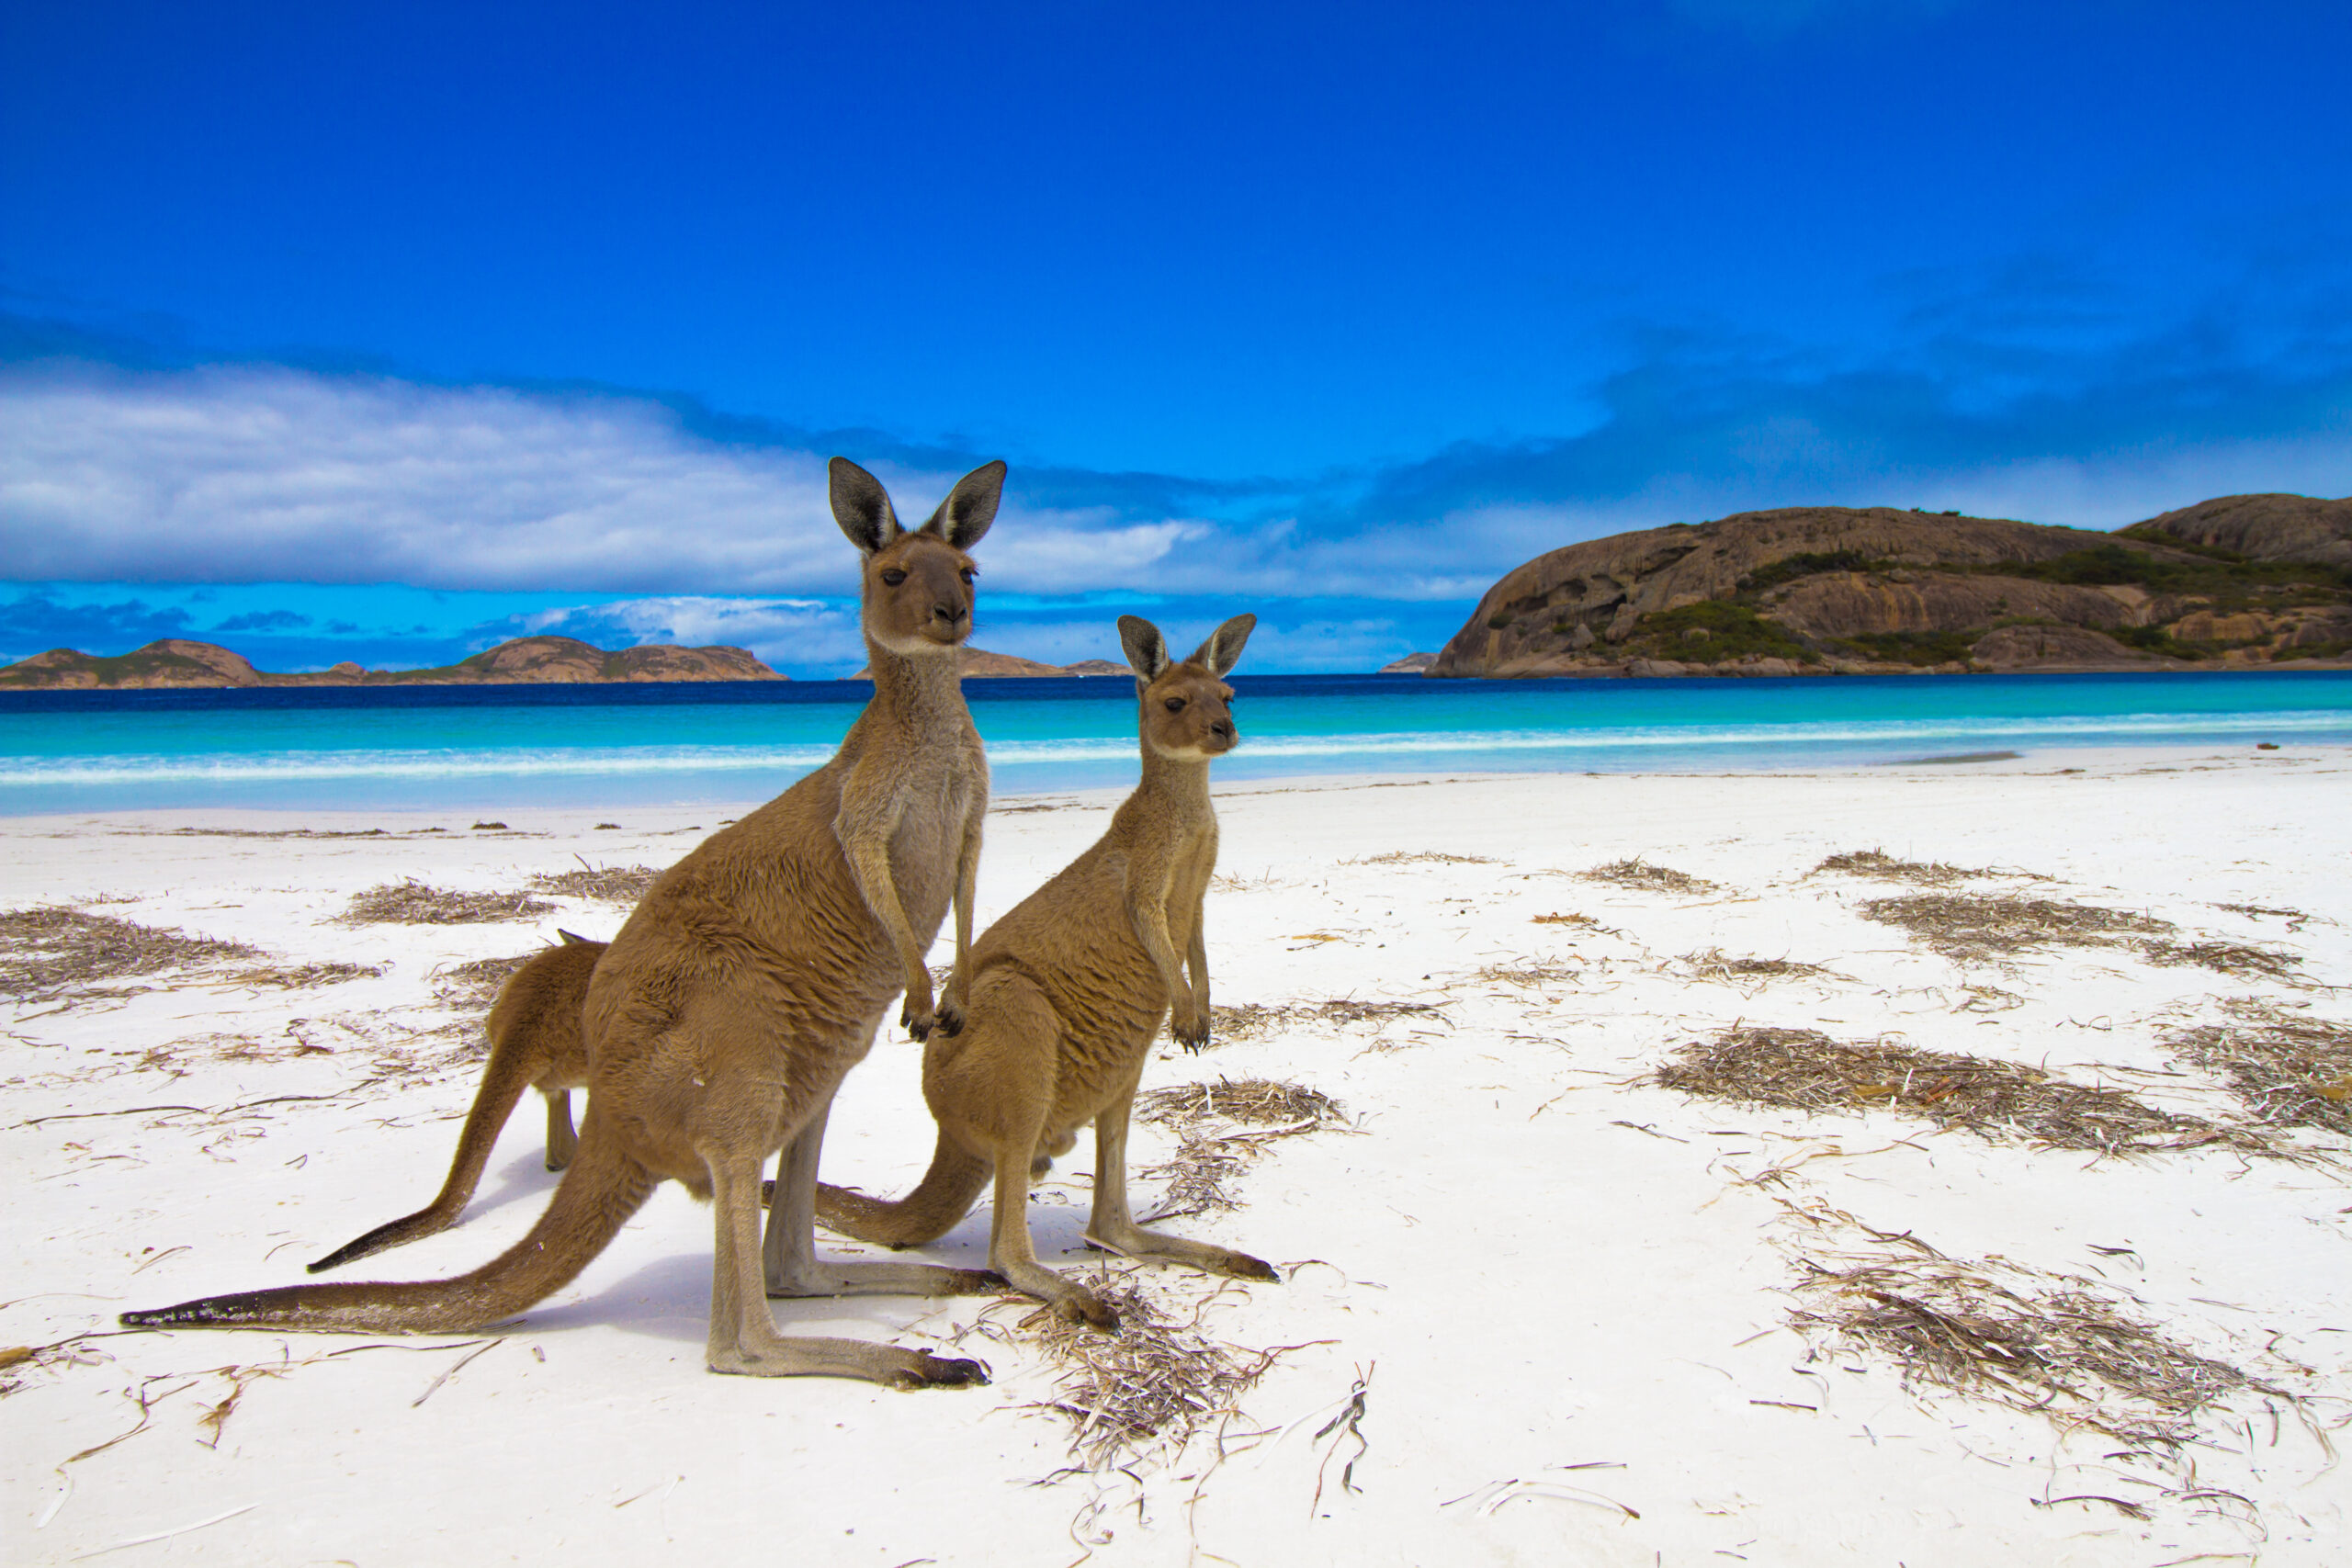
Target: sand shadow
<point>669,1298</point>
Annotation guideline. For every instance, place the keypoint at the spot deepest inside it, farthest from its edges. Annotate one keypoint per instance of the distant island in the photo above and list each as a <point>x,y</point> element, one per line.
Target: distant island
<point>527,661</point>
<point>2241,582</point>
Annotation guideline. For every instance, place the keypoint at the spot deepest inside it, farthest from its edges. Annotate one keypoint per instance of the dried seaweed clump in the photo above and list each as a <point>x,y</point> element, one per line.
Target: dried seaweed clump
<point>1208,1156</point>
<point>1801,1069</point>
<point>1642,877</point>
<point>412,903</point>
<point>53,952</point>
<point>1991,1331</point>
<point>2234,959</point>
<point>610,884</point>
<point>1887,868</point>
<point>1151,1385</point>
<point>1528,974</point>
<point>1254,1020</point>
<point>1250,1021</point>
<point>1255,1103</point>
<point>1714,963</point>
<point>302,977</point>
<point>476,985</point>
<point>2286,1069</point>
<point>1966,926</point>
<point>1420,857</point>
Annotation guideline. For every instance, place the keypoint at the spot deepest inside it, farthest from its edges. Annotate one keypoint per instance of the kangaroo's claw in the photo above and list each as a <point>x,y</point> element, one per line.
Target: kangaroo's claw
<point>944,1371</point>
<point>951,1020</point>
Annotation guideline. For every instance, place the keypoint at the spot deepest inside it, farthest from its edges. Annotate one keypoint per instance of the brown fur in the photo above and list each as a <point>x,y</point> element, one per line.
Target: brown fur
<point>1068,993</point>
<point>534,1030</point>
<point>750,978</point>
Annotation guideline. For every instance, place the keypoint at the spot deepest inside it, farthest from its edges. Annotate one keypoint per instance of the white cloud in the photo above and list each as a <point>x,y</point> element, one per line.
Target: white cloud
<point>268,474</point>
<point>263,473</point>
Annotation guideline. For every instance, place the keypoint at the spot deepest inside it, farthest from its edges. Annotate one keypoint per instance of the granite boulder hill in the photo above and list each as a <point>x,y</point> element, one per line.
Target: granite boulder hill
<point>179,663</point>
<point>2233,583</point>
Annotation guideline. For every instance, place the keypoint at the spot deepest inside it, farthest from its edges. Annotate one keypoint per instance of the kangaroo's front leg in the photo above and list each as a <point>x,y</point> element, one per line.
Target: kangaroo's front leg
<point>790,1250</point>
<point>1112,1226</point>
<point>1197,960</point>
<point>1188,1018</point>
<point>866,831</point>
<point>954,1007</point>
<point>743,1337</point>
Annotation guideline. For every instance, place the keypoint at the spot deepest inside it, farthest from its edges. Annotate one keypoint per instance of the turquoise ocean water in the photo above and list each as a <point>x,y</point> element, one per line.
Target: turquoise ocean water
<point>499,748</point>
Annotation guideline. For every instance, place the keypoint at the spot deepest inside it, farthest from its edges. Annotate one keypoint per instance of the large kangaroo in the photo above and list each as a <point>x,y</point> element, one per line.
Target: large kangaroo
<point>1068,993</point>
<point>534,1042</point>
<point>751,977</point>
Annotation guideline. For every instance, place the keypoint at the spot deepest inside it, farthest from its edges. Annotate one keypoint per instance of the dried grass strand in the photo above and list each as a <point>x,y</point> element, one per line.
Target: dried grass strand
<point>56,951</point>
<point>1801,1069</point>
<point>1642,877</point>
<point>412,903</point>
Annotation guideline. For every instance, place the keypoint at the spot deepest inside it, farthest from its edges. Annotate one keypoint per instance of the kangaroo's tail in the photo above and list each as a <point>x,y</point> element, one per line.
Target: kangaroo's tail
<point>503,1080</point>
<point>598,1194</point>
<point>945,1195</point>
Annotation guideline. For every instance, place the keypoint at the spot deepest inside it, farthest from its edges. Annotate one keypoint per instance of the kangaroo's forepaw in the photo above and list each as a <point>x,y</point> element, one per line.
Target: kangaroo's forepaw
<point>917,1024</point>
<point>951,1020</point>
<point>1190,1033</point>
<point>941,1371</point>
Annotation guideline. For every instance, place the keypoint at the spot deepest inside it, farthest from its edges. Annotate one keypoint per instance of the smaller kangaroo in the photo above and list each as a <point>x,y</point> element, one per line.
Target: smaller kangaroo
<point>534,1039</point>
<point>1067,992</point>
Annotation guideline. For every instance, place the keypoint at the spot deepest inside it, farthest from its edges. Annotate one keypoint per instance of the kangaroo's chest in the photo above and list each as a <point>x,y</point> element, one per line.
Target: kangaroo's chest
<point>928,845</point>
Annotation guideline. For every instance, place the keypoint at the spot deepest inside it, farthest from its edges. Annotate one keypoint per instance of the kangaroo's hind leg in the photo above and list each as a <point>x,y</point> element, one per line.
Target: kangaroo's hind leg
<point>562,1142</point>
<point>992,1088</point>
<point>1112,1227</point>
<point>790,1250</point>
<point>743,1337</point>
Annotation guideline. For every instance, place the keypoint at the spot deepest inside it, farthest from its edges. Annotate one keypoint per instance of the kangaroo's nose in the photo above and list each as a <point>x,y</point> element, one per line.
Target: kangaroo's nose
<point>949,611</point>
<point>1223,729</point>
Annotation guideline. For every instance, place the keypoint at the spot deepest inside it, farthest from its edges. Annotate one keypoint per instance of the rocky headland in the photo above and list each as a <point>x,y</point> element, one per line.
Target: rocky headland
<point>2240,581</point>
<point>529,661</point>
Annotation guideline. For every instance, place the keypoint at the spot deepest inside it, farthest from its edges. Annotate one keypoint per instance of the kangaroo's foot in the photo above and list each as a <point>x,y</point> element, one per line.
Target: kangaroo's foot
<point>1158,1247</point>
<point>1071,1301</point>
<point>824,1277</point>
<point>775,1356</point>
<point>563,1141</point>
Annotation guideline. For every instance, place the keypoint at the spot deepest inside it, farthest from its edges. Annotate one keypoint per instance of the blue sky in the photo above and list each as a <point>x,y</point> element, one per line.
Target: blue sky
<point>443,323</point>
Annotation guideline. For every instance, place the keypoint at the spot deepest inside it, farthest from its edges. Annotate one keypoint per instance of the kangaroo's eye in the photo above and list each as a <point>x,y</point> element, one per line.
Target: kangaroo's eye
<point>894,577</point>
<point>1175,704</point>
<point>970,572</point>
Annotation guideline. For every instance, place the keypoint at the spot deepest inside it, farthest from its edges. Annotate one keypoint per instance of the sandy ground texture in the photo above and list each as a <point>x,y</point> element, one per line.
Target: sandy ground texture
<point>1937,1165</point>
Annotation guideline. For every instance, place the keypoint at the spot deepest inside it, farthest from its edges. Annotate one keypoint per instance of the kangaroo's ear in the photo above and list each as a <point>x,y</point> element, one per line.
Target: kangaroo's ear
<point>861,506</point>
<point>970,507</point>
<point>1147,650</point>
<point>1223,651</point>
<point>571,939</point>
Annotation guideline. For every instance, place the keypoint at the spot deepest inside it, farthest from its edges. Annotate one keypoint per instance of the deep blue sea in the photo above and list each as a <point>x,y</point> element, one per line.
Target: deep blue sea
<point>492,747</point>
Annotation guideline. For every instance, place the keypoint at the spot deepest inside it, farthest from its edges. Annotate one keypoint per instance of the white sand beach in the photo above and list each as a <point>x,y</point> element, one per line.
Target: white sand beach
<point>1535,1307</point>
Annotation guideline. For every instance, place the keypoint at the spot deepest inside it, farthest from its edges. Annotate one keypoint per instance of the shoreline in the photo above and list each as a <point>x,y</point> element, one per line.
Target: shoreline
<point>714,810</point>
